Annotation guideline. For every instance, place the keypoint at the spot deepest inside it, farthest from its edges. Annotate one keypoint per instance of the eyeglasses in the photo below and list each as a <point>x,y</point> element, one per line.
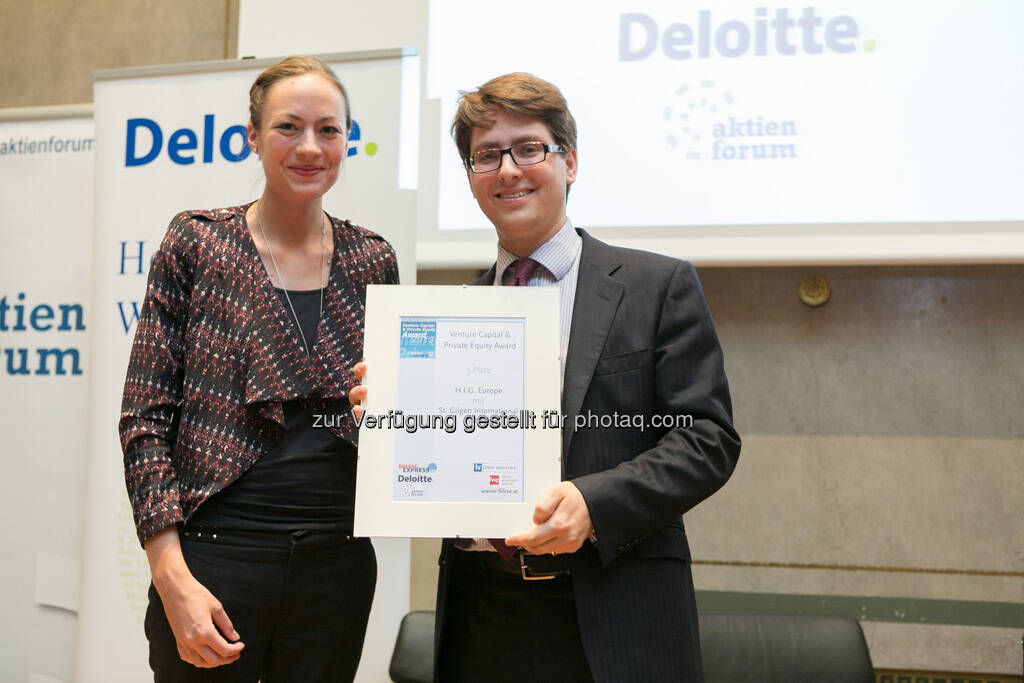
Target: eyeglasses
<point>523,154</point>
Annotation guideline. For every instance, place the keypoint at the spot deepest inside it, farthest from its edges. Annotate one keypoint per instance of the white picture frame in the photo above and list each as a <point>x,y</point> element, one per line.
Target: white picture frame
<point>451,457</point>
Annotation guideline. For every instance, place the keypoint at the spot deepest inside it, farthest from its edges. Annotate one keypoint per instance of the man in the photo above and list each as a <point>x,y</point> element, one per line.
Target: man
<point>640,342</point>
<point>617,604</point>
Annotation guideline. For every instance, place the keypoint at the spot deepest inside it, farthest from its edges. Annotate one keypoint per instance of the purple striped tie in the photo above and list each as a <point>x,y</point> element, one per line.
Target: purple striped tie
<point>521,269</point>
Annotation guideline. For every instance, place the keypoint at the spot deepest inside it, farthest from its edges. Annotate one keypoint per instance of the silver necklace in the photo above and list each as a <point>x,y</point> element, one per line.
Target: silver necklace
<point>323,266</point>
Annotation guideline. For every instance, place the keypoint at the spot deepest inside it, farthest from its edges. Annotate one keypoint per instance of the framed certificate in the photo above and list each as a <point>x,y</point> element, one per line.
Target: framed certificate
<point>461,430</point>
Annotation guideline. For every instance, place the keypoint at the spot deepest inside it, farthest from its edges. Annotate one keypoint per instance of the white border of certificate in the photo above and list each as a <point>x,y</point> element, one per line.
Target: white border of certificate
<point>376,512</point>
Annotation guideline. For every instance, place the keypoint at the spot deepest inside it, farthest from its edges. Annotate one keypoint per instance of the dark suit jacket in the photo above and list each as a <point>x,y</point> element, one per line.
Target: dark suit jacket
<point>641,343</point>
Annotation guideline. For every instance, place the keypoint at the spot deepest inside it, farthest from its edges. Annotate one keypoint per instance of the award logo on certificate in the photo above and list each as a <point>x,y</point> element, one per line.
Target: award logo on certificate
<point>460,434</point>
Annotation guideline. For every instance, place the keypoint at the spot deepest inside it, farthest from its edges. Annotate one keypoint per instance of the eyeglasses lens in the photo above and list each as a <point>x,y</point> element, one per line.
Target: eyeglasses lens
<point>523,154</point>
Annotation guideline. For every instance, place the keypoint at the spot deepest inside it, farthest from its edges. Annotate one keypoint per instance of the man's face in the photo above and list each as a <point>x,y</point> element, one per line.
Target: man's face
<point>526,204</point>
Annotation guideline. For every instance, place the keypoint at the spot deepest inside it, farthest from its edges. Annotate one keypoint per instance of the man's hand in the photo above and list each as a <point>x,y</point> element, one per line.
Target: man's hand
<point>358,392</point>
<point>562,519</point>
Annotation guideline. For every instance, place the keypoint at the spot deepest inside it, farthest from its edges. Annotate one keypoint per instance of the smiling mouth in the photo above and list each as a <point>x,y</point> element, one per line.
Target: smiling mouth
<point>514,195</point>
<point>306,170</point>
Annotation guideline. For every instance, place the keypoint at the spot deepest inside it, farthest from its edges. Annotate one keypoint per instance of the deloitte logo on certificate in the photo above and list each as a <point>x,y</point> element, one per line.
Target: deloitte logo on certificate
<point>419,338</point>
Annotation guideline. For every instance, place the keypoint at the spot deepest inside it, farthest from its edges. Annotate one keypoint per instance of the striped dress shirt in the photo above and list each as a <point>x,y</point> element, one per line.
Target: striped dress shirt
<point>559,260</point>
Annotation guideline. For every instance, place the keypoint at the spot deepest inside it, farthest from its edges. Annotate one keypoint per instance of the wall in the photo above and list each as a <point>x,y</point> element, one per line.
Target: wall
<point>51,47</point>
<point>883,451</point>
<point>315,26</point>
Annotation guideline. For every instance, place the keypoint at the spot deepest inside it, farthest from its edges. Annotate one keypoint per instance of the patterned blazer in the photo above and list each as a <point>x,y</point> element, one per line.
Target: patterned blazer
<point>216,352</point>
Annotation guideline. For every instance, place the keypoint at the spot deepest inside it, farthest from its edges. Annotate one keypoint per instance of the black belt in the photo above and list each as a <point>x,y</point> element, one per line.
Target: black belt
<point>523,565</point>
<point>311,538</point>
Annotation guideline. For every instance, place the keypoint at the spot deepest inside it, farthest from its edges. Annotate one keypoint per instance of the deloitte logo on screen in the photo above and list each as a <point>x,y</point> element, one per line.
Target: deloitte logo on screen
<point>780,32</point>
<point>703,122</point>
<point>207,143</point>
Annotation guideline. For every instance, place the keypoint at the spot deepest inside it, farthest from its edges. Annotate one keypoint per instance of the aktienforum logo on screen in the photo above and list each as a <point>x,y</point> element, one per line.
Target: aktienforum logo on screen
<point>702,119</point>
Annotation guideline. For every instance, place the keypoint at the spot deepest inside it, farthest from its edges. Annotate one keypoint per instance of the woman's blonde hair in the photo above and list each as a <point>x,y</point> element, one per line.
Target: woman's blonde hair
<point>286,68</point>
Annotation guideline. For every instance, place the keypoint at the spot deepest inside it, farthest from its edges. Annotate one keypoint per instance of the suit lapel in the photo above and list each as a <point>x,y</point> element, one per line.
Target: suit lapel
<point>597,298</point>
<point>488,277</point>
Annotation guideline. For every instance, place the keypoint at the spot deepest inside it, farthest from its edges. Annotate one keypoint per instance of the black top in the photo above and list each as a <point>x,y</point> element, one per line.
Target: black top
<point>307,481</point>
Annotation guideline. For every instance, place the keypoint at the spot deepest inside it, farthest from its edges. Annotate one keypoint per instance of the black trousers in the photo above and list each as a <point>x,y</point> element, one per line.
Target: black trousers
<point>501,628</point>
<point>300,602</point>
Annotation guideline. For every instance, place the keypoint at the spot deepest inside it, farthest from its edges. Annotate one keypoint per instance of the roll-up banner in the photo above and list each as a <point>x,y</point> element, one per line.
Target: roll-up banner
<point>170,139</point>
<point>46,159</point>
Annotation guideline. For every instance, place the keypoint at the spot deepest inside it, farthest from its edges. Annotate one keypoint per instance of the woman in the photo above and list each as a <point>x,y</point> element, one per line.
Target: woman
<point>252,316</point>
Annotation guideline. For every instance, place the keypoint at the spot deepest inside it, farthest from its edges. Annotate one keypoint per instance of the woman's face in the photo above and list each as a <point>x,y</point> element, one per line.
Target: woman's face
<point>302,137</point>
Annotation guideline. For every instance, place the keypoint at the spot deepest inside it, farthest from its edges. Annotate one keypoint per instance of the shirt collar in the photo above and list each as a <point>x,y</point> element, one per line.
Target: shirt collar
<point>556,255</point>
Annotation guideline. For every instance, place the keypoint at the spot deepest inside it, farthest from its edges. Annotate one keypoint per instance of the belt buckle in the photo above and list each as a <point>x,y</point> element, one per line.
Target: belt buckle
<point>523,567</point>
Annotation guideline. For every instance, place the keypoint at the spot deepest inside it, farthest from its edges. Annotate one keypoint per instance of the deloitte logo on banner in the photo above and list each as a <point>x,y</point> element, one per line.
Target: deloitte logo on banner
<point>144,142</point>
<point>184,143</point>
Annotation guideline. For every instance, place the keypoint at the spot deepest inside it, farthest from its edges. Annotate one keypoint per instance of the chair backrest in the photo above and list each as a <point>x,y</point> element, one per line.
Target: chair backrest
<point>413,658</point>
<point>736,648</point>
<point>796,649</point>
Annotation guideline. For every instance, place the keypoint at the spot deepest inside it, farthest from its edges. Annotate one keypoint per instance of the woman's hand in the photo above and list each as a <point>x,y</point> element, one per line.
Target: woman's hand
<point>197,618</point>
<point>358,393</point>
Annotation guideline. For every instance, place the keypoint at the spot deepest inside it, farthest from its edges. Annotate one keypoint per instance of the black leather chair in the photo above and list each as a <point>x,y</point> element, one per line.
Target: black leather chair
<point>413,658</point>
<point>769,648</point>
<point>737,648</point>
